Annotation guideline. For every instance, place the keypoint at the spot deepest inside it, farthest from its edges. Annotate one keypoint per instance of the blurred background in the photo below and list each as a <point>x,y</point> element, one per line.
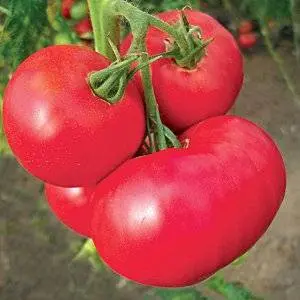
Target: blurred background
<point>40,259</point>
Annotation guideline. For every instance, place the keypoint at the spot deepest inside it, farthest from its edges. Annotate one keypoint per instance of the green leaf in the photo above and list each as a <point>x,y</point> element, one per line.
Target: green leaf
<point>178,294</point>
<point>266,9</point>
<point>87,251</point>
<point>162,5</point>
<point>23,28</point>
<point>230,290</point>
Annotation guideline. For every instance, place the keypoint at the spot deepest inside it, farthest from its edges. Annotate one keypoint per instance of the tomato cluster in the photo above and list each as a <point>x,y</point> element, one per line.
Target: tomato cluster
<point>77,11</point>
<point>170,218</point>
<point>247,38</point>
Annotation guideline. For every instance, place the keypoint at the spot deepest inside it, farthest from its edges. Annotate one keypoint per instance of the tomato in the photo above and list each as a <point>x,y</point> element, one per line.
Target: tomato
<point>72,206</point>
<point>62,38</point>
<point>84,26</point>
<point>246,26</point>
<point>175,217</point>
<point>79,10</point>
<point>184,96</point>
<point>56,126</point>
<point>247,40</point>
<point>66,7</point>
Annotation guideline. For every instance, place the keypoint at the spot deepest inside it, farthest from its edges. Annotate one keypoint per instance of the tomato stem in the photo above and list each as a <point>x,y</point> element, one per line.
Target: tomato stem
<point>105,26</point>
<point>139,22</point>
<point>295,9</point>
<point>151,105</point>
<point>5,11</point>
<point>136,16</point>
<point>278,59</point>
<point>111,82</point>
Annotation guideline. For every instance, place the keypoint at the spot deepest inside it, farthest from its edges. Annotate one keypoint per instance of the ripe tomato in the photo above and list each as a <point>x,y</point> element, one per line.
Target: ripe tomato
<point>84,26</point>
<point>247,40</point>
<point>175,217</point>
<point>66,7</point>
<point>186,97</point>
<point>58,129</point>
<point>72,206</point>
<point>246,26</point>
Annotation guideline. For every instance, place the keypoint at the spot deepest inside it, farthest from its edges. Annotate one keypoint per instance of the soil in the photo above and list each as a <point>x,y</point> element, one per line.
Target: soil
<point>36,251</point>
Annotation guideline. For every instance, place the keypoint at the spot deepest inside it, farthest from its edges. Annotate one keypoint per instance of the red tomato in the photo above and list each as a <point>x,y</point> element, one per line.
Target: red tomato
<point>58,129</point>
<point>66,7</point>
<point>246,26</point>
<point>186,97</point>
<point>247,40</point>
<point>84,26</point>
<point>175,217</point>
<point>72,206</point>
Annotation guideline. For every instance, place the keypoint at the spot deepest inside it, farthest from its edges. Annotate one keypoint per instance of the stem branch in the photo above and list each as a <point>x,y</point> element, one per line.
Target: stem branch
<point>278,59</point>
<point>295,9</point>
<point>5,11</point>
<point>151,105</point>
<point>105,26</point>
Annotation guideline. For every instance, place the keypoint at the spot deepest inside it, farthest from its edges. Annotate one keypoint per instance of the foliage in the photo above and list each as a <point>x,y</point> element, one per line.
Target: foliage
<point>23,29</point>
<point>266,9</point>
<point>162,5</point>
<point>230,290</point>
<point>183,294</point>
<point>217,284</point>
<point>29,26</point>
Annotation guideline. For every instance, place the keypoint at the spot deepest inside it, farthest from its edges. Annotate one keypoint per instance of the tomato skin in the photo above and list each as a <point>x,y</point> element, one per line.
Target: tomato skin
<point>58,129</point>
<point>72,206</point>
<point>66,7</point>
<point>83,26</point>
<point>247,40</point>
<point>186,97</point>
<point>175,217</point>
<point>246,26</point>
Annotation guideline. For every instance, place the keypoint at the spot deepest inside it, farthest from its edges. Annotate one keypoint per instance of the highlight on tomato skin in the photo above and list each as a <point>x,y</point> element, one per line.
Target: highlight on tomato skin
<point>72,206</point>
<point>173,218</point>
<point>58,129</point>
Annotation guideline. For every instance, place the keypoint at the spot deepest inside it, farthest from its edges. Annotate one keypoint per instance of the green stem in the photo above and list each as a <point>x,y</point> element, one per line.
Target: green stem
<point>102,13</point>
<point>278,59</point>
<point>135,15</point>
<point>151,105</point>
<point>105,26</point>
<point>139,22</point>
<point>5,11</point>
<point>295,9</point>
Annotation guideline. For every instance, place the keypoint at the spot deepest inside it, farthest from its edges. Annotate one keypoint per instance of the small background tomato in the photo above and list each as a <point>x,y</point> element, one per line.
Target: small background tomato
<point>83,27</point>
<point>246,26</point>
<point>66,7</point>
<point>79,10</point>
<point>247,40</point>
<point>62,38</point>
